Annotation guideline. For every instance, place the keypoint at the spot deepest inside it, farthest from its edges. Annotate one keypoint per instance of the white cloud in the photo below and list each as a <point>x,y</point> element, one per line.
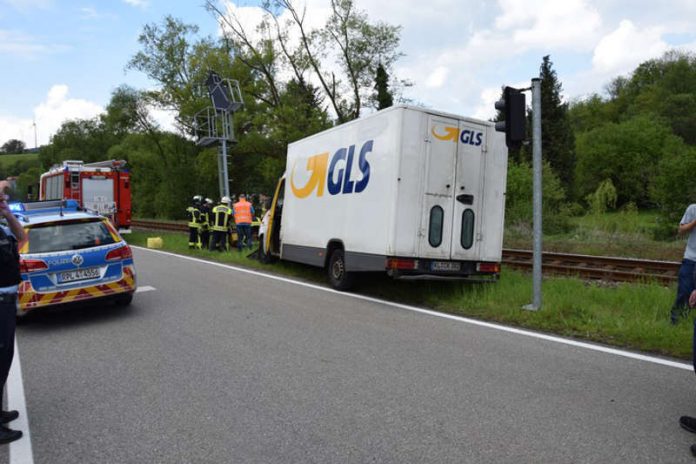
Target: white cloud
<point>27,5</point>
<point>137,3</point>
<point>624,48</point>
<point>485,109</point>
<point>16,128</point>
<point>437,78</point>
<point>166,119</point>
<point>49,115</point>
<point>89,12</point>
<point>19,44</point>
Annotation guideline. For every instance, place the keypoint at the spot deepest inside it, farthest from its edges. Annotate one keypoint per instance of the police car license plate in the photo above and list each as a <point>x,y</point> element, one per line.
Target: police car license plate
<point>78,274</point>
<point>445,266</point>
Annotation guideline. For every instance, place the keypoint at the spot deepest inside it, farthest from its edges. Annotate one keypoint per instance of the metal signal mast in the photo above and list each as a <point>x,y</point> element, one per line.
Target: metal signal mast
<point>214,124</point>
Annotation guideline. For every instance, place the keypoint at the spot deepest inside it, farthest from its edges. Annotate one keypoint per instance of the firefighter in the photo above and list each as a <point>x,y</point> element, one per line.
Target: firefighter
<point>206,217</point>
<point>243,216</point>
<point>193,213</point>
<point>220,225</point>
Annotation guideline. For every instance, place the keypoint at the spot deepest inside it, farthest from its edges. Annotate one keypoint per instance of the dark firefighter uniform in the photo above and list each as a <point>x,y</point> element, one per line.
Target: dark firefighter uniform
<point>220,225</point>
<point>193,213</point>
<point>206,218</point>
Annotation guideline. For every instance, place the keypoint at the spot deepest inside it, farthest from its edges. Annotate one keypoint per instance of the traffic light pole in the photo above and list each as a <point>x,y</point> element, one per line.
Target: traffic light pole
<point>536,166</point>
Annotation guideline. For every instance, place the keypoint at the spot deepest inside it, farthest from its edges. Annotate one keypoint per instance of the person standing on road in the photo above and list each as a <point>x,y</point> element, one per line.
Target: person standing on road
<point>220,225</point>
<point>243,215</point>
<point>10,277</point>
<point>687,225</point>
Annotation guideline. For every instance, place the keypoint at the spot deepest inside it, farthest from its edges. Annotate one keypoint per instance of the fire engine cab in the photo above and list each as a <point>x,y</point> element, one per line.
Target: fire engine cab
<point>103,187</point>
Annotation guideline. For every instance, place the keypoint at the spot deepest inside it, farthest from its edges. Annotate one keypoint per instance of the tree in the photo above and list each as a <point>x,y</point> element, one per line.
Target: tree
<point>628,154</point>
<point>558,139</point>
<point>519,207</point>
<point>382,96</point>
<point>13,146</point>
<point>359,47</point>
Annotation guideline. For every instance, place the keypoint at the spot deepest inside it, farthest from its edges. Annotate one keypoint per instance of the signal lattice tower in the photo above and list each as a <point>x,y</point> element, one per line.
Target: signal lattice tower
<point>214,124</point>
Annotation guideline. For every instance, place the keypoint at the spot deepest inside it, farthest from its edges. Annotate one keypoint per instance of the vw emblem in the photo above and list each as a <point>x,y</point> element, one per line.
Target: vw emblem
<point>77,260</point>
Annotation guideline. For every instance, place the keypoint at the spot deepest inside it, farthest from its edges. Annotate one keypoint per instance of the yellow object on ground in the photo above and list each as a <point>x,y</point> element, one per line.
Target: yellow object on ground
<point>154,242</point>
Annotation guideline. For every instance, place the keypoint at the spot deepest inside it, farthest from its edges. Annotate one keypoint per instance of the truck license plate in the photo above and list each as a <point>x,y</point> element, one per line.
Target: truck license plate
<point>78,274</point>
<point>445,266</point>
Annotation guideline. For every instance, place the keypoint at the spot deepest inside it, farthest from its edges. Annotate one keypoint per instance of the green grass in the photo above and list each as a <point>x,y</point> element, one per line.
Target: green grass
<point>626,233</point>
<point>7,160</point>
<point>634,316</point>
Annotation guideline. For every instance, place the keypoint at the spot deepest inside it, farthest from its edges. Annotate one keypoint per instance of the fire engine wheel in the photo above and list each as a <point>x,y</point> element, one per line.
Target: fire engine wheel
<point>339,278</point>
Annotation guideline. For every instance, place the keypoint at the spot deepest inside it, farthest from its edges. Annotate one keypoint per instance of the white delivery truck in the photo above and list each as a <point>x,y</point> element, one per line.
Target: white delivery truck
<point>410,191</point>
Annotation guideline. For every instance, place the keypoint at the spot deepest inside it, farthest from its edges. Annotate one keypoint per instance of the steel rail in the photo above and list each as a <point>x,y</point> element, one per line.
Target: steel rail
<point>606,268</point>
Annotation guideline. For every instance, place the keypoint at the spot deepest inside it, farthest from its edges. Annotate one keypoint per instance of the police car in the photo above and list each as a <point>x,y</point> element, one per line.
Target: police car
<point>70,255</point>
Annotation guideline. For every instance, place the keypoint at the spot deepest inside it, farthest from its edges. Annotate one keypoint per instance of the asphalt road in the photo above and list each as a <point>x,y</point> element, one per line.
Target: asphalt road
<point>220,366</point>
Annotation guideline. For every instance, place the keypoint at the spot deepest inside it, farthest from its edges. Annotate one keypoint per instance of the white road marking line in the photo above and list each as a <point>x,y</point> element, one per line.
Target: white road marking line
<point>144,288</point>
<point>20,450</point>
<point>526,333</point>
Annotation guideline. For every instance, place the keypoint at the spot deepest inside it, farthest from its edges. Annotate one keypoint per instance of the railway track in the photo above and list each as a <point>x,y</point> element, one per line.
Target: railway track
<point>607,268</point>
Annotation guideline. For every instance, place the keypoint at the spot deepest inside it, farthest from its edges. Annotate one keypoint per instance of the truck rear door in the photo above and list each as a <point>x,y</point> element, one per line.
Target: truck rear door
<point>438,203</point>
<point>98,194</point>
<point>468,192</point>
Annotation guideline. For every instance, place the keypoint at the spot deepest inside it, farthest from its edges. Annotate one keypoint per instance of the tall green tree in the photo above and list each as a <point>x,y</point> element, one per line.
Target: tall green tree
<point>383,96</point>
<point>357,45</point>
<point>558,139</point>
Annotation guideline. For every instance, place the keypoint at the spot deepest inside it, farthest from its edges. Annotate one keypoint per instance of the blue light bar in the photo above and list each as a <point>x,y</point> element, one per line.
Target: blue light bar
<point>71,205</point>
<point>16,207</point>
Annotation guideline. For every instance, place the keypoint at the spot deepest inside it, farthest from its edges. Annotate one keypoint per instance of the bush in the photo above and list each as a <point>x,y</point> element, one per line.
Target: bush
<point>519,206</point>
<point>603,198</point>
<point>674,188</point>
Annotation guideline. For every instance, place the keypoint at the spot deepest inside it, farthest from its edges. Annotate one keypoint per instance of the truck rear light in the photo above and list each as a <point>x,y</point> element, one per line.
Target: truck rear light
<point>402,263</point>
<point>488,267</point>
<point>123,252</point>
<point>32,265</point>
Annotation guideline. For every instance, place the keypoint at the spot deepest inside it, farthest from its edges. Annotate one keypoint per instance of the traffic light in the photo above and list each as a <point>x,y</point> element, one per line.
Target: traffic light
<point>514,110</point>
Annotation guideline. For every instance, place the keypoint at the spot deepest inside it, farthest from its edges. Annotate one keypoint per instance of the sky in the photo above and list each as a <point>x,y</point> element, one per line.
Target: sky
<point>62,59</point>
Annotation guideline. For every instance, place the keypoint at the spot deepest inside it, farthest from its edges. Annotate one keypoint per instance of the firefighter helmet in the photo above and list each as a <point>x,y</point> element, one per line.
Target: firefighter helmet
<point>208,201</point>
<point>226,200</point>
<point>197,199</point>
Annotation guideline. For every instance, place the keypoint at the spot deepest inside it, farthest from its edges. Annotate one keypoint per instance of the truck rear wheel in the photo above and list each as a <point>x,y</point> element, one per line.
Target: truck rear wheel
<point>339,278</point>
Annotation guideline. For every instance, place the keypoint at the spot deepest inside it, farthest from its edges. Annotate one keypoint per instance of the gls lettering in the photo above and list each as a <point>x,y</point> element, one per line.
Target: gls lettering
<point>339,177</point>
<point>467,136</point>
<point>471,137</point>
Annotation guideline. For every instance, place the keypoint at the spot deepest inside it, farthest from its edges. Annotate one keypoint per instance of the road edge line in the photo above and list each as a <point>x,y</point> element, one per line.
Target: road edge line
<point>430,312</point>
<point>20,450</point>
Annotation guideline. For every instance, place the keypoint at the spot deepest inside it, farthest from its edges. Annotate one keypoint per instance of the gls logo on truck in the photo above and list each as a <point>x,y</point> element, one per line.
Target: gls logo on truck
<point>469,136</point>
<point>340,170</point>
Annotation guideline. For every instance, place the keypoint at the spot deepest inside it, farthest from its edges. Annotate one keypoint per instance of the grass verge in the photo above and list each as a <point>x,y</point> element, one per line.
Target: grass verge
<point>633,316</point>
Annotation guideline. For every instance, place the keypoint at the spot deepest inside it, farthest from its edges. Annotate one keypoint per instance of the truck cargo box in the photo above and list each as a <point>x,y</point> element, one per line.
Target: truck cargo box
<point>408,190</point>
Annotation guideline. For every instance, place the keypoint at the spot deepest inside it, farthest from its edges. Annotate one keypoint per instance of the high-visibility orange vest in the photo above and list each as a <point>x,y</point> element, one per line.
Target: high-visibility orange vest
<point>242,212</point>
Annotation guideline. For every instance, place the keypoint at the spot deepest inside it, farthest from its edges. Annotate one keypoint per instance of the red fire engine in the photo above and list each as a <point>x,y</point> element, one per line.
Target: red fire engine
<point>103,187</point>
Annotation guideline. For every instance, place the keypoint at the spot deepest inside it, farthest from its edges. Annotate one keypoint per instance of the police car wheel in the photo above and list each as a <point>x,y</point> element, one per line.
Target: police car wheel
<point>339,278</point>
<point>124,300</point>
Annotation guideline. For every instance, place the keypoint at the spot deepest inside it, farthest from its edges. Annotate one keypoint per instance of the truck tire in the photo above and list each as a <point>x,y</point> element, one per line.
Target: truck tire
<point>339,278</point>
<point>263,256</point>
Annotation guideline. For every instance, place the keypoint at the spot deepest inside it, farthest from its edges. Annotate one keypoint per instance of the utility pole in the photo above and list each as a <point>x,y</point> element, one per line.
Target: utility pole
<point>36,145</point>
<point>514,110</point>
<point>537,197</point>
